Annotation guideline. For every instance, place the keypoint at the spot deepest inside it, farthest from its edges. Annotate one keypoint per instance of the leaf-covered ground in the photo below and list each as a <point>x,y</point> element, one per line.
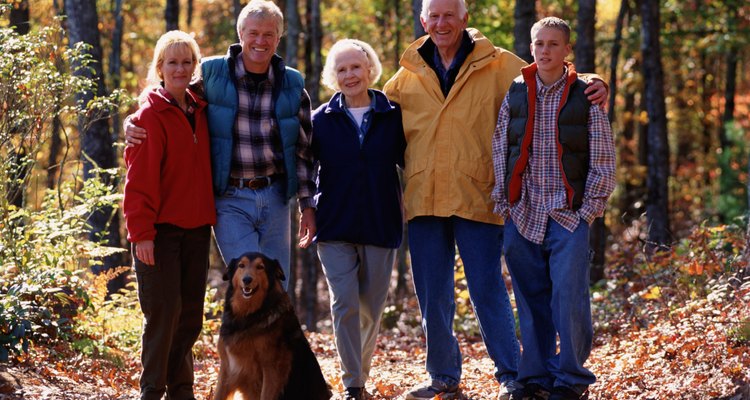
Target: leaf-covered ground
<point>693,355</point>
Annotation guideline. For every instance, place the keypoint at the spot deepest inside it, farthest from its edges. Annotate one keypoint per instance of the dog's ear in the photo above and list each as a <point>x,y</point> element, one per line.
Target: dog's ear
<point>230,269</point>
<point>279,271</point>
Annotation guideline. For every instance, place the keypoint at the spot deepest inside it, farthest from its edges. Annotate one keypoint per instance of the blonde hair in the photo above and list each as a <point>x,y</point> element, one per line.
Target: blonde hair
<point>328,76</point>
<point>167,41</point>
<point>260,9</point>
<point>426,9</point>
<point>554,23</point>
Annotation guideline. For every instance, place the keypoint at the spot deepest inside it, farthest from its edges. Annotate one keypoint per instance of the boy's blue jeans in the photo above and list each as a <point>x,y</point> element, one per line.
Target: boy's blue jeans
<point>432,242</point>
<point>254,220</point>
<point>551,287</point>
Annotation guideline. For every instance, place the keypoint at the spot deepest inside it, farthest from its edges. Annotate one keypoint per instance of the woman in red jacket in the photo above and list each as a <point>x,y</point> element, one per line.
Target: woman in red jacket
<point>169,210</point>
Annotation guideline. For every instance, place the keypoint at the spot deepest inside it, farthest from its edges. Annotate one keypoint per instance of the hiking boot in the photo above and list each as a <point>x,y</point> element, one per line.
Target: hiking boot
<point>429,389</point>
<point>566,393</point>
<point>532,391</point>
<point>354,393</point>
<point>507,389</point>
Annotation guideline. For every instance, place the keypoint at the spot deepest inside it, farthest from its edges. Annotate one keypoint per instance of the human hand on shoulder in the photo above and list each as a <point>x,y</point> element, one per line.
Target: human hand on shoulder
<point>134,134</point>
<point>597,92</point>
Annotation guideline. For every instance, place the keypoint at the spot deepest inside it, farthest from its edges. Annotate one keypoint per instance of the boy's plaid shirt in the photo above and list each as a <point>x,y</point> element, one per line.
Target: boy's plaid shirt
<point>543,192</point>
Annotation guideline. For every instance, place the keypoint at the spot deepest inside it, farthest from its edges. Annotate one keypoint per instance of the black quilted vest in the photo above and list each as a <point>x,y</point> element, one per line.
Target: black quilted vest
<point>572,139</point>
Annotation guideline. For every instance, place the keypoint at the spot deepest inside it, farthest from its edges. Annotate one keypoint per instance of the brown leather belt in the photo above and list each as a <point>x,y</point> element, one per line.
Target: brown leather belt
<point>254,184</point>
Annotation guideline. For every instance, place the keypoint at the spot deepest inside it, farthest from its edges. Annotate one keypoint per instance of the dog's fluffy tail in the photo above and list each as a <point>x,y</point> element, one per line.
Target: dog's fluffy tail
<point>306,381</point>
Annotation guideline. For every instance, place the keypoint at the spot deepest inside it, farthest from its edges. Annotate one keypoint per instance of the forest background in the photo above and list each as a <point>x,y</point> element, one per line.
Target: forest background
<point>670,284</point>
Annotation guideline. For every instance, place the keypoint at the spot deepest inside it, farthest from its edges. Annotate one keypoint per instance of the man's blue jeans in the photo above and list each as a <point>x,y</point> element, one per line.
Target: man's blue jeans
<point>254,220</point>
<point>551,286</point>
<point>432,242</point>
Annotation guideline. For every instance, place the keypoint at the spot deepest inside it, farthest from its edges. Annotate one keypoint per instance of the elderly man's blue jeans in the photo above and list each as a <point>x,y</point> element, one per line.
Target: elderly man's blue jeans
<point>254,220</point>
<point>551,286</point>
<point>432,242</point>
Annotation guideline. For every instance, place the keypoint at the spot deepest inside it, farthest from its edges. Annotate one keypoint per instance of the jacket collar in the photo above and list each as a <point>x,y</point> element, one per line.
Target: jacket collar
<point>379,104</point>
<point>482,53</point>
<point>529,74</point>
<point>160,103</point>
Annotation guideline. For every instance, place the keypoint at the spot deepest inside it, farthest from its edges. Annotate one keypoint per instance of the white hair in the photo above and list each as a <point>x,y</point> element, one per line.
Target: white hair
<point>328,76</point>
<point>426,9</point>
<point>261,9</point>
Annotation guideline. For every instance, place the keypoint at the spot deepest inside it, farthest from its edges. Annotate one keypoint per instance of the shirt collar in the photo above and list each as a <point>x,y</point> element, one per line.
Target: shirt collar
<point>342,100</point>
<point>240,73</point>
<point>191,103</point>
<point>555,86</point>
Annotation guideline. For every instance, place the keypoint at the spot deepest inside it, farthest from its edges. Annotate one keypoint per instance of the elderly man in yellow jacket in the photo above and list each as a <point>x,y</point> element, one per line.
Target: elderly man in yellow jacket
<point>450,86</point>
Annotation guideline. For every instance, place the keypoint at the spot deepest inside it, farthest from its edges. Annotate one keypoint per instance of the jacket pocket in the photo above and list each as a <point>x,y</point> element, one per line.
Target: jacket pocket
<point>414,167</point>
<point>480,170</point>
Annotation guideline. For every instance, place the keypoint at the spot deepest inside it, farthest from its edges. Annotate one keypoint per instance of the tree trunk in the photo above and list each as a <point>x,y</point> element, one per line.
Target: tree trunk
<point>53,166</point>
<point>236,8</point>
<point>293,33</point>
<point>524,17</point>
<point>585,52</point>
<point>115,59</point>
<point>729,95</point>
<point>707,92</point>
<point>416,9</point>
<point>313,58</point>
<point>615,57</point>
<point>19,20</point>
<point>586,44</point>
<point>19,17</point>
<point>189,13</point>
<point>96,140</point>
<point>397,33</point>
<point>657,204</point>
<point>172,15</point>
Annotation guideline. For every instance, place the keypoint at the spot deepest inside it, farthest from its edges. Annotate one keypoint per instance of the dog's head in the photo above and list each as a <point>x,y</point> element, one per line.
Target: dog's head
<point>252,278</point>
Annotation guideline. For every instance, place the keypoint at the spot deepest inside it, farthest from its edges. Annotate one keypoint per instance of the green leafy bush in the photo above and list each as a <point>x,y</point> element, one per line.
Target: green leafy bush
<point>44,253</point>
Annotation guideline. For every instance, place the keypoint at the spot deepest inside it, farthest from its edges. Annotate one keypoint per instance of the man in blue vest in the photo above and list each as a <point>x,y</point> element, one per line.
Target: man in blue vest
<point>260,132</point>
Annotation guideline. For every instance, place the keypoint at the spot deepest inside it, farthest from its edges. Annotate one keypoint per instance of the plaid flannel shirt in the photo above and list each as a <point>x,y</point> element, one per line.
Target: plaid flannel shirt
<point>257,150</point>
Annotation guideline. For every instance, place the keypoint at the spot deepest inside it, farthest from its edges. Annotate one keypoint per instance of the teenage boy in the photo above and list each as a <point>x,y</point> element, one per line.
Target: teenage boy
<point>554,163</point>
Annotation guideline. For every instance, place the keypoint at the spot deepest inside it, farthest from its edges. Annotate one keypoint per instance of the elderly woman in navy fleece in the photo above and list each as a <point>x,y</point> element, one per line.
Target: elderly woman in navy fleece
<point>358,143</point>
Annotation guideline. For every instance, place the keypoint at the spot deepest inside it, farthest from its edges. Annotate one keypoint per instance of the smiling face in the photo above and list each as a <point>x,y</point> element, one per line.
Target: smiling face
<point>445,24</point>
<point>549,48</point>
<point>352,73</point>
<point>176,69</point>
<point>251,285</point>
<point>259,39</point>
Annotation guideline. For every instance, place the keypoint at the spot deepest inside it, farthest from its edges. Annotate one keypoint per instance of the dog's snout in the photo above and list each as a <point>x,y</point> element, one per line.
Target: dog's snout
<point>247,279</point>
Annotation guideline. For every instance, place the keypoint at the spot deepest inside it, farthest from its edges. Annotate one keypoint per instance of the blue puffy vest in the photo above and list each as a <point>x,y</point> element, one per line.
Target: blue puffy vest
<point>221,94</point>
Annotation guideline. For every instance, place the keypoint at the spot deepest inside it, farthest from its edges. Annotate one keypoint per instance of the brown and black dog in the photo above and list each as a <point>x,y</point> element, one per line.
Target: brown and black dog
<point>264,353</point>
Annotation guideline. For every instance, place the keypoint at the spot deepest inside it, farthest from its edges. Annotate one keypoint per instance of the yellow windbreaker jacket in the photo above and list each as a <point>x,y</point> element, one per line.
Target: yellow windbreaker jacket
<point>449,139</point>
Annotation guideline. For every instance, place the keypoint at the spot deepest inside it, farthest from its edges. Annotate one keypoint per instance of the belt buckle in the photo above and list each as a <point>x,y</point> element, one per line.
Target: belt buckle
<point>259,183</point>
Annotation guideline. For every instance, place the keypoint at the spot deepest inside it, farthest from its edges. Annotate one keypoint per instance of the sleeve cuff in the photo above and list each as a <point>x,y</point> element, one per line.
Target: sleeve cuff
<point>306,202</point>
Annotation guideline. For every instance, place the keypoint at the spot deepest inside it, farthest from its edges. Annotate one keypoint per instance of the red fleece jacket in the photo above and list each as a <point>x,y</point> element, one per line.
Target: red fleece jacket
<point>169,174</point>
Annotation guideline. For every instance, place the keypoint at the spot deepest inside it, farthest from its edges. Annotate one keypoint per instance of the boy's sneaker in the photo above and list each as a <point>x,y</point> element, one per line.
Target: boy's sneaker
<point>354,393</point>
<point>429,389</point>
<point>566,393</point>
<point>507,389</point>
<point>532,391</point>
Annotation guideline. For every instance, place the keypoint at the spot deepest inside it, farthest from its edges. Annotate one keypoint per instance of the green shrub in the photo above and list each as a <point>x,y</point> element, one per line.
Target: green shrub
<point>44,253</point>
